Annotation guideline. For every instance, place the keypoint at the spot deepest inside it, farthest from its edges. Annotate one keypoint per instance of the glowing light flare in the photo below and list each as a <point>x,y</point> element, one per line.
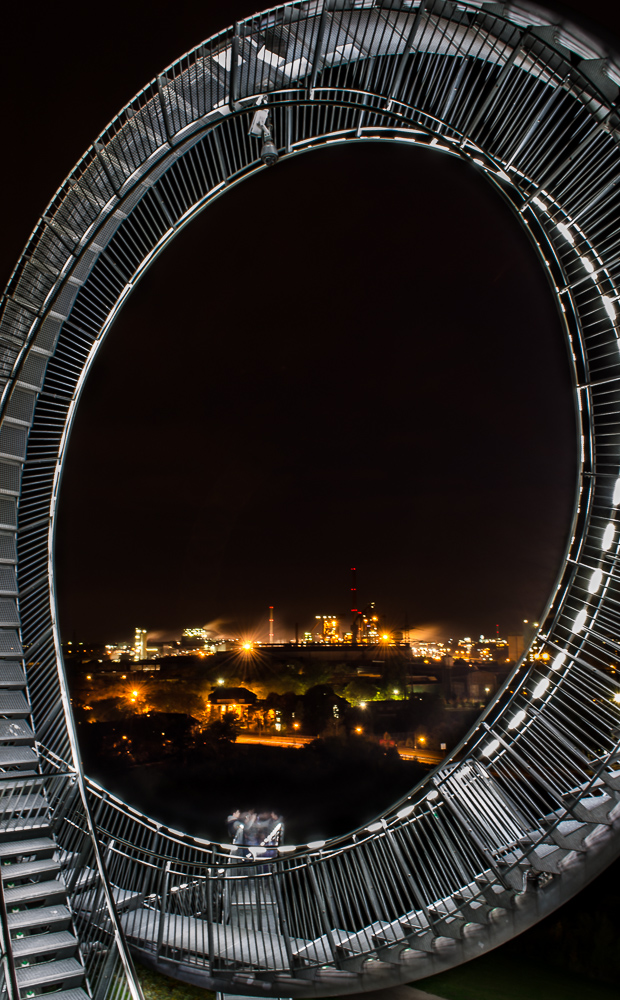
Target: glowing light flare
<point>595,581</point>
<point>558,661</point>
<point>405,811</point>
<point>616,698</point>
<point>589,266</point>
<point>610,308</point>
<point>247,645</point>
<point>616,497</point>
<point>566,233</point>
<point>490,748</point>
<point>432,796</point>
<point>580,620</point>
<point>540,688</point>
<point>517,719</point>
<point>608,537</point>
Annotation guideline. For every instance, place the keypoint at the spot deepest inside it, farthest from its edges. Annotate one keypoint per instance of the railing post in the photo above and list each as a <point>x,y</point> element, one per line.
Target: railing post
<point>162,907</point>
<point>7,950</point>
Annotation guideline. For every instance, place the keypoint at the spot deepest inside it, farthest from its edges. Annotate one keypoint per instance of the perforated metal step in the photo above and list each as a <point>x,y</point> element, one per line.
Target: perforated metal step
<point>58,944</point>
<point>13,703</point>
<point>39,892</point>
<point>22,757</point>
<point>43,847</point>
<point>12,675</point>
<point>66,972</point>
<point>30,803</point>
<point>75,994</point>
<point>29,870</point>
<point>19,783</point>
<point>15,731</point>
<point>39,919</point>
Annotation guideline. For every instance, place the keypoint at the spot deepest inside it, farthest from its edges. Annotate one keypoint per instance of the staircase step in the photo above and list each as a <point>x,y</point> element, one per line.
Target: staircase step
<point>16,805</point>
<point>29,869</point>
<point>496,894</point>
<point>67,972</point>
<point>17,782</point>
<point>43,847</point>
<point>474,910</point>
<point>14,703</point>
<point>58,944</point>
<point>550,858</point>
<point>597,808</point>
<point>15,731</point>
<point>18,757</point>
<point>12,675</point>
<point>38,892</point>
<point>24,826</point>
<point>74,994</point>
<point>39,918</point>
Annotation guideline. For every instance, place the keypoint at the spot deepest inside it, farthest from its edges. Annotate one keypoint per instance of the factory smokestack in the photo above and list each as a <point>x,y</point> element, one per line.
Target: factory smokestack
<point>353,592</point>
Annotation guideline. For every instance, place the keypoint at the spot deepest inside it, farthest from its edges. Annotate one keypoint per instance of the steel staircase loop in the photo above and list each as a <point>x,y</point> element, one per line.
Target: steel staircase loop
<point>526,810</point>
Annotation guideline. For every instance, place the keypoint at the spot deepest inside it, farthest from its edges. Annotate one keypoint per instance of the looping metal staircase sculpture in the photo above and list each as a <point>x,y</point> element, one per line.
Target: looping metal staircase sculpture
<point>525,811</point>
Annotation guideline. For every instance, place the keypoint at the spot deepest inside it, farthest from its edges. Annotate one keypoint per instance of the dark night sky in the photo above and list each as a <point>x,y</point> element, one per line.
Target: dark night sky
<point>354,359</point>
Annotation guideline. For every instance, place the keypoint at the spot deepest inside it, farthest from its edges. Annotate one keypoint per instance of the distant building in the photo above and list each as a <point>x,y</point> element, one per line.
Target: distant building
<point>516,645</point>
<point>227,699</point>
<point>139,644</point>
<point>330,631</point>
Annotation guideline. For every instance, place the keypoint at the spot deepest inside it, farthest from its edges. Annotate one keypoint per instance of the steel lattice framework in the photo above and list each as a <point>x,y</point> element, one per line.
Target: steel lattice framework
<point>523,813</point>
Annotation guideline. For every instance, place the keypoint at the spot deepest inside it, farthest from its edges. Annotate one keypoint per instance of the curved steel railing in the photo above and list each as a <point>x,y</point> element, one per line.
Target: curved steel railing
<point>525,812</point>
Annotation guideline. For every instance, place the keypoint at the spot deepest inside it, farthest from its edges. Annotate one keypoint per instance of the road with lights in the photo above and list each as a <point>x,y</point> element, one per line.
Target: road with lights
<point>432,757</point>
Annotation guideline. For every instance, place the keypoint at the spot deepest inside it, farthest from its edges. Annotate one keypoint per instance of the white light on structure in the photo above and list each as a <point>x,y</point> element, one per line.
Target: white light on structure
<point>405,811</point>
<point>610,308</point>
<point>517,719</point>
<point>490,748</point>
<point>580,620</point>
<point>432,796</point>
<point>540,204</point>
<point>559,660</point>
<point>316,845</point>
<point>616,497</point>
<point>541,687</point>
<point>566,233</point>
<point>608,537</point>
<point>617,697</point>
<point>374,827</point>
<point>595,581</point>
<point>589,266</point>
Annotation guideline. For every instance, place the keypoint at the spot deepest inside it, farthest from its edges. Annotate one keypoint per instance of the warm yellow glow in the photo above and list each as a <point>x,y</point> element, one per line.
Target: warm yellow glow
<point>358,729</point>
<point>295,725</point>
<point>88,677</point>
<point>124,677</point>
<point>362,704</point>
<point>617,697</point>
<point>421,739</point>
<point>247,645</point>
<point>385,637</point>
<point>220,680</point>
<point>135,694</point>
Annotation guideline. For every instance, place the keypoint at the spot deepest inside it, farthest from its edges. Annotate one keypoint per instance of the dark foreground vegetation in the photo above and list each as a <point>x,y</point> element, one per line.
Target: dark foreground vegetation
<point>322,790</point>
